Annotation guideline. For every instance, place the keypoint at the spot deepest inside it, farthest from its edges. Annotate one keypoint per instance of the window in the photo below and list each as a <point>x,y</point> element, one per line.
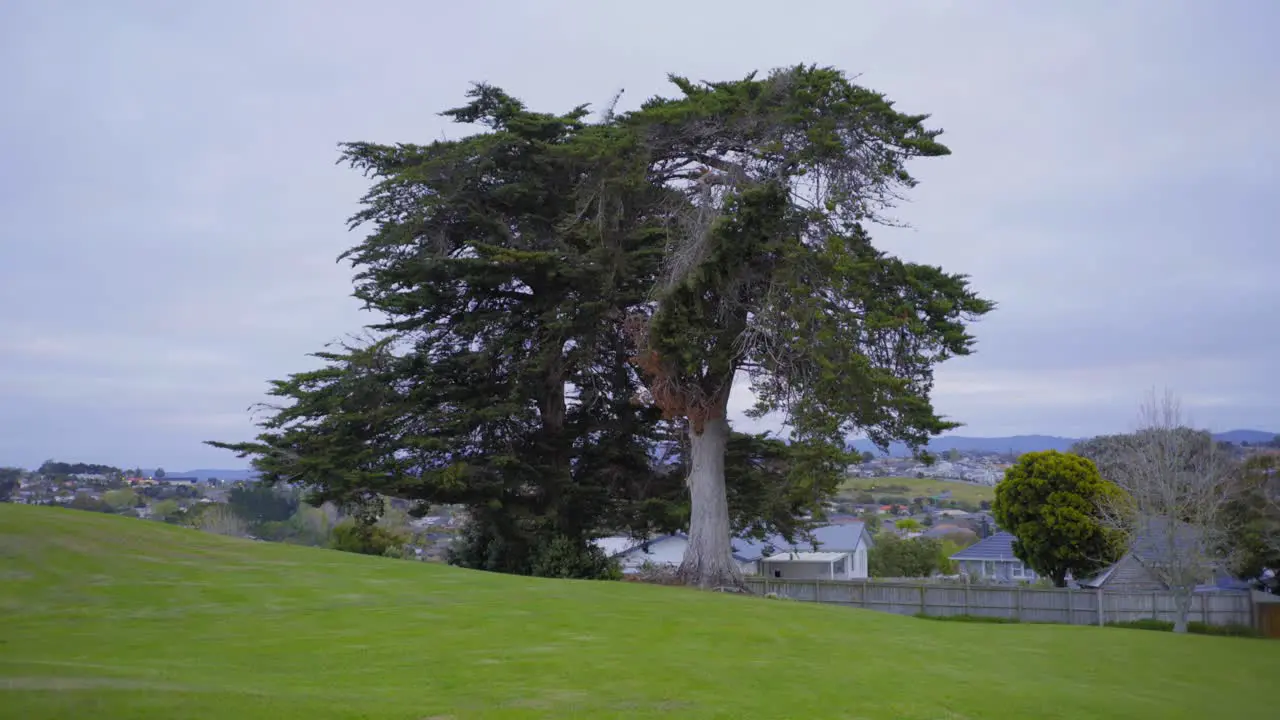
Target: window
<point>777,573</point>
<point>1018,570</point>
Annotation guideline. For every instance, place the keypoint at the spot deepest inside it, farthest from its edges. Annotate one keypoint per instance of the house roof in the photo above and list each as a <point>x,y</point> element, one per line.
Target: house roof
<point>616,545</point>
<point>941,531</point>
<point>810,557</point>
<point>1154,539</point>
<point>998,547</point>
<point>844,536</point>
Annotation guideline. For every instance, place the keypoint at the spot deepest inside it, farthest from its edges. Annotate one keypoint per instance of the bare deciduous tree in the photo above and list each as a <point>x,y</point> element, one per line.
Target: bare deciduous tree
<point>1178,484</point>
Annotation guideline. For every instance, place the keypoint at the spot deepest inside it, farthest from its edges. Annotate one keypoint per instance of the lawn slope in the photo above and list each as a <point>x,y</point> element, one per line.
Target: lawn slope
<point>106,617</point>
<point>919,487</point>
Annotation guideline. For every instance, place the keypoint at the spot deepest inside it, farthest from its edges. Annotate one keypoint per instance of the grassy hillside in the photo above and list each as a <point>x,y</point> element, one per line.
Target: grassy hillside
<point>106,617</point>
<point>919,488</point>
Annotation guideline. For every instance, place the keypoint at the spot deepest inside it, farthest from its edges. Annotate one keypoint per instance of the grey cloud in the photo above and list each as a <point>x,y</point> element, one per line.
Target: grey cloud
<point>173,211</point>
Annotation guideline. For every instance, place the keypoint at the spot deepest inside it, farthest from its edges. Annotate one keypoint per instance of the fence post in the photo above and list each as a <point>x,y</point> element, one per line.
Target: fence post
<point>966,596</point>
<point>1071,615</point>
<point>817,590</point>
<point>863,600</point>
<point>1102,613</point>
<point>1018,613</point>
<point>1155,606</point>
<point>923,610</point>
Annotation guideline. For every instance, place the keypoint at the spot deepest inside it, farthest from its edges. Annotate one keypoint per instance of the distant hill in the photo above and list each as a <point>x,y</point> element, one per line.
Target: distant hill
<point>206,473</point>
<point>1253,437</point>
<point>1018,444</point>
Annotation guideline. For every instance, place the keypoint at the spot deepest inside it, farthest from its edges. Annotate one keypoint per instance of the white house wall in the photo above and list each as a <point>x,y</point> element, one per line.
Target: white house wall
<point>860,563</point>
<point>800,570</point>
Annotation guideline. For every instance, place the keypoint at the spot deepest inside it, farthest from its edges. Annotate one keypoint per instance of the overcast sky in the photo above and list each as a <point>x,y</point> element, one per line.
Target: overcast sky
<point>171,211</point>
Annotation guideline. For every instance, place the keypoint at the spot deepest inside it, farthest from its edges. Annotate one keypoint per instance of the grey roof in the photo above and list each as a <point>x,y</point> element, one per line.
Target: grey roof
<point>942,531</point>
<point>1151,543</point>
<point>843,536</point>
<point>1152,539</point>
<point>998,547</point>
<point>743,550</point>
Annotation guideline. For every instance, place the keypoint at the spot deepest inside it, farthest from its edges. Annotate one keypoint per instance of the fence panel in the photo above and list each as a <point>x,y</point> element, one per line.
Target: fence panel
<point>1049,605</point>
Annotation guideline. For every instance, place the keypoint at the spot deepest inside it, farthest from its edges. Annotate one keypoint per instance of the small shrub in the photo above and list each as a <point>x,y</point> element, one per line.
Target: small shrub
<point>1197,628</point>
<point>563,558</point>
<point>1144,624</point>
<point>981,619</point>
<point>350,536</point>
<point>1232,630</point>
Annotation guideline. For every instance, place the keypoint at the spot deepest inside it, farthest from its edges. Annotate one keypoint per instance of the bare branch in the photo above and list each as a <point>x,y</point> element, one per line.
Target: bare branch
<point>1178,484</point>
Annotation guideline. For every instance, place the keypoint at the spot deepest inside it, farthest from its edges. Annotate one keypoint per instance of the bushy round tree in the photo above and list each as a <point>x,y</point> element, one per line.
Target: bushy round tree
<point>1049,501</point>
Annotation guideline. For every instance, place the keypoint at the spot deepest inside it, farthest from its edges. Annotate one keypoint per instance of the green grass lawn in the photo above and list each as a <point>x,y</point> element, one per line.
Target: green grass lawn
<point>919,488</point>
<point>107,617</point>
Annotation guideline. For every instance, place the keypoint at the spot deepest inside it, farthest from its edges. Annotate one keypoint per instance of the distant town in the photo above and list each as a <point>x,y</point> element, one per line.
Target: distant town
<point>945,498</point>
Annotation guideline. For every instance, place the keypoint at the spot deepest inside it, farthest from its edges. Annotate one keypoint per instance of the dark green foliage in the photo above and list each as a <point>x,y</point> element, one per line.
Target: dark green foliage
<point>260,503</point>
<point>771,270</point>
<point>55,468</point>
<point>517,271</point>
<point>491,542</point>
<point>84,501</point>
<point>9,481</point>
<point>770,485</point>
<point>159,474</point>
<point>1050,502</point>
<point>504,263</point>
<point>786,283</point>
<point>1252,518</point>
<point>562,558</point>
<point>356,537</point>
<point>980,619</point>
<point>893,557</point>
<point>1197,628</point>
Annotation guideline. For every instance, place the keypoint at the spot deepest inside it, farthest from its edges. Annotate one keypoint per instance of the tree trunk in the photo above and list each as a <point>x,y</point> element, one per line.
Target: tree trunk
<point>708,560</point>
<point>1182,608</point>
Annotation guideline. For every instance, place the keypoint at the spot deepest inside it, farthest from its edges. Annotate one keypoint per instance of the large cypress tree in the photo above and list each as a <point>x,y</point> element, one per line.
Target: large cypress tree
<point>772,271</point>
<point>504,264</point>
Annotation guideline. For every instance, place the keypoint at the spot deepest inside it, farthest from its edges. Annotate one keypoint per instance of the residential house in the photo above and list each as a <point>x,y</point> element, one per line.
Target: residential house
<point>664,551</point>
<point>992,560</point>
<point>793,565</point>
<point>838,551</point>
<point>1154,544</point>
<point>773,555</point>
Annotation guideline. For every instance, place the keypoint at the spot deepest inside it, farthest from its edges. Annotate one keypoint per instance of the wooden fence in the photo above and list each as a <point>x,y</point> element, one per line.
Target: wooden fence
<point>1051,605</point>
